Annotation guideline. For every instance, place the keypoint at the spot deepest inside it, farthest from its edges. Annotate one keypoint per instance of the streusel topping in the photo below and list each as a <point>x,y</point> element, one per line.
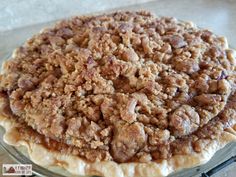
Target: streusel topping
<point>126,86</point>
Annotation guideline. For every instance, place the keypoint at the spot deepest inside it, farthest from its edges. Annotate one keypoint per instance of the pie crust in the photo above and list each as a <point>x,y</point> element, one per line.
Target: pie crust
<point>75,165</point>
<point>143,123</point>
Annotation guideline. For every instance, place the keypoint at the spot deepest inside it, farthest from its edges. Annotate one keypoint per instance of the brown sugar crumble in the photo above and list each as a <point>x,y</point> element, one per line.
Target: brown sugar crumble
<point>126,86</point>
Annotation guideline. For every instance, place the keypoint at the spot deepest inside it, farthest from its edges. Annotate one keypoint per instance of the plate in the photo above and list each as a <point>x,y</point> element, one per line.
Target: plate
<point>20,155</point>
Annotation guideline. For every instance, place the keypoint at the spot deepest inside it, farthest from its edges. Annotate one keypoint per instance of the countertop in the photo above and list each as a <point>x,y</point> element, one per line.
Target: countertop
<point>19,19</point>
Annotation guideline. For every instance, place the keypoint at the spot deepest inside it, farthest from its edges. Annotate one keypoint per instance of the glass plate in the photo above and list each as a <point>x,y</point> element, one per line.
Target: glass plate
<point>20,155</point>
<point>11,39</point>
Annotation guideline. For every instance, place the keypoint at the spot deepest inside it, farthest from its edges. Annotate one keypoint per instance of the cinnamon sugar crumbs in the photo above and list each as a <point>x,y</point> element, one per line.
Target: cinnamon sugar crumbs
<point>126,86</point>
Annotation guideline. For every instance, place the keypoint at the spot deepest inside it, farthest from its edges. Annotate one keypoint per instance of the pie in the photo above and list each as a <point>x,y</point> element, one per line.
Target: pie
<point>121,94</point>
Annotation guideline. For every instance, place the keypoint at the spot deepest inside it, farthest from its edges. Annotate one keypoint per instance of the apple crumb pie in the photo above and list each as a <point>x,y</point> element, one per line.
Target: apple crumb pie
<point>121,94</point>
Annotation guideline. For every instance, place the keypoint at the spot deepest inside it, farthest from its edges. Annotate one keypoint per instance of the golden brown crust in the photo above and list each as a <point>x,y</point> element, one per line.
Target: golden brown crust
<point>76,165</point>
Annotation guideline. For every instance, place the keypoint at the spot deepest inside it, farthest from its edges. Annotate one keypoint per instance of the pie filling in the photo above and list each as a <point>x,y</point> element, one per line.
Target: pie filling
<point>123,87</point>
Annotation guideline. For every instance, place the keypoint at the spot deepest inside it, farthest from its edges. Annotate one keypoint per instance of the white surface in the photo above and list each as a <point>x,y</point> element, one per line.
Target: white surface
<point>20,13</point>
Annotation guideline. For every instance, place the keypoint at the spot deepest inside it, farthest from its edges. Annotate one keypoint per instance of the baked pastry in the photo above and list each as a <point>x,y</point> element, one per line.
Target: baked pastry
<point>122,94</point>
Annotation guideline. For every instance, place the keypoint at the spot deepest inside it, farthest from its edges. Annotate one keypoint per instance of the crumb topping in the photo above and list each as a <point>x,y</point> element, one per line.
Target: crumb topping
<point>126,86</point>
